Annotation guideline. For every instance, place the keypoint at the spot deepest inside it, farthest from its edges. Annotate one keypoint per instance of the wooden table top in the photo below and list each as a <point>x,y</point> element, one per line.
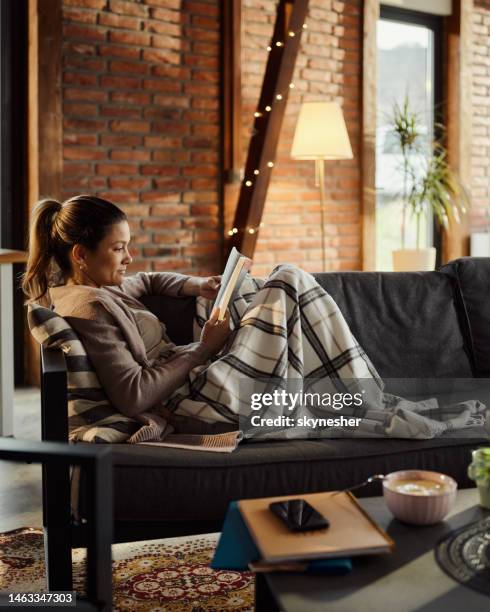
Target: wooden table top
<point>9,256</point>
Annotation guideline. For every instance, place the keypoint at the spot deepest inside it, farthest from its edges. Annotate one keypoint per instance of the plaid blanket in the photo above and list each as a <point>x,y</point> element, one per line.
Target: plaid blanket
<point>288,333</point>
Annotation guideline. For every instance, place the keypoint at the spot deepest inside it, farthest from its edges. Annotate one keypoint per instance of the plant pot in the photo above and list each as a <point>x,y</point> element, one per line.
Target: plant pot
<point>484,490</point>
<point>414,260</point>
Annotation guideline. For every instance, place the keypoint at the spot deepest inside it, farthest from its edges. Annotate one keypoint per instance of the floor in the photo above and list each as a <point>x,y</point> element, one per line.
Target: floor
<point>20,483</point>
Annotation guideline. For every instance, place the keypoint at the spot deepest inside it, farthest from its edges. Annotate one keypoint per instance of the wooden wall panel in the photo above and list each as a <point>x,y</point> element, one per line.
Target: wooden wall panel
<point>44,120</point>
<point>368,144</point>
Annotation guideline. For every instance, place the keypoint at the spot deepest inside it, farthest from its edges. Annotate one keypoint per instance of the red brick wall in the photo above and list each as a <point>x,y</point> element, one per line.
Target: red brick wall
<point>141,125</point>
<point>480,161</point>
<point>328,68</point>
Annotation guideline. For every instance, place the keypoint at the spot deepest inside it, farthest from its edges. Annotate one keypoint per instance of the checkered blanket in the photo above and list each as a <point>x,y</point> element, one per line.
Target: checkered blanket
<point>288,332</point>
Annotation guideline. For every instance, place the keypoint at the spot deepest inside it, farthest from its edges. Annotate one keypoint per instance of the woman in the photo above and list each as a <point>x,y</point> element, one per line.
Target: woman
<point>286,328</point>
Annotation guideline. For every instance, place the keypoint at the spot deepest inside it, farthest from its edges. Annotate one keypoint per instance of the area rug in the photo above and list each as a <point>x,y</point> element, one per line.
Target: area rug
<point>171,574</point>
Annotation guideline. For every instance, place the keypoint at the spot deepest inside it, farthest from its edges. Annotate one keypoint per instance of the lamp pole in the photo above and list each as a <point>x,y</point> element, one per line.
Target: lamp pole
<point>320,182</point>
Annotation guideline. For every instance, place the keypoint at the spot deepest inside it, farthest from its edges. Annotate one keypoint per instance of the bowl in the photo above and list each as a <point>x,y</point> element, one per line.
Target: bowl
<point>412,498</point>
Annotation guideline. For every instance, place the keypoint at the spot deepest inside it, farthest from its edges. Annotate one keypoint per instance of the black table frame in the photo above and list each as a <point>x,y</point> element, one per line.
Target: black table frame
<point>56,458</point>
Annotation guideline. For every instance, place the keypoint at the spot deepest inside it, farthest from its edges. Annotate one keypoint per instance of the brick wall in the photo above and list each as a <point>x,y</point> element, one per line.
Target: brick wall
<point>327,68</point>
<point>141,125</point>
<point>480,187</point>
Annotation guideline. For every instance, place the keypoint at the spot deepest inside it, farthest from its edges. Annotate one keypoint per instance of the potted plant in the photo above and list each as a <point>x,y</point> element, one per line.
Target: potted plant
<point>479,471</point>
<point>429,187</point>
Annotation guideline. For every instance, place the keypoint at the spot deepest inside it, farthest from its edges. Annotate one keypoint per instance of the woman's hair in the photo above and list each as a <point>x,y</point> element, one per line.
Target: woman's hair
<point>56,228</point>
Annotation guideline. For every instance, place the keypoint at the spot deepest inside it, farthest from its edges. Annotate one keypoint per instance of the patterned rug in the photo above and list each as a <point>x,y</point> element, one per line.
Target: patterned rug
<point>171,574</point>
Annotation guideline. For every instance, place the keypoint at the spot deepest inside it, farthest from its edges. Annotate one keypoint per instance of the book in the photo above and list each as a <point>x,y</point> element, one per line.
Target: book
<point>236,550</point>
<point>352,531</point>
<point>234,273</point>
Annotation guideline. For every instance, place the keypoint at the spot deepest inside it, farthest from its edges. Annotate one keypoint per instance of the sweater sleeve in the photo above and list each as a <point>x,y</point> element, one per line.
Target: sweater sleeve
<point>154,283</point>
<point>130,386</point>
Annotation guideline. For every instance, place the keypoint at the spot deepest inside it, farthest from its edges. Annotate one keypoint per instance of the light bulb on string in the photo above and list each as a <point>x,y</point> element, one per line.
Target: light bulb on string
<point>257,114</point>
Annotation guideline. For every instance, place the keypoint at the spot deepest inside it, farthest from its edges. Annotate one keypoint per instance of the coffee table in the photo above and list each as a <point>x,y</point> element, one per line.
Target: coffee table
<point>407,579</point>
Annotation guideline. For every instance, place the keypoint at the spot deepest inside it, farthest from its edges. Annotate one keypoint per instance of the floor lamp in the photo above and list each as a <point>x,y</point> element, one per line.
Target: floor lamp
<point>321,134</point>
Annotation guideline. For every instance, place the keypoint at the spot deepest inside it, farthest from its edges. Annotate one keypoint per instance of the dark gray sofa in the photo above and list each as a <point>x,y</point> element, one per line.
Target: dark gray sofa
<point>412,325</point>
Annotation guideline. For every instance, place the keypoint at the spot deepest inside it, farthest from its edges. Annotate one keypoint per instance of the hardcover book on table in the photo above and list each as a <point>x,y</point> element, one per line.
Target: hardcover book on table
<point>351,532</point>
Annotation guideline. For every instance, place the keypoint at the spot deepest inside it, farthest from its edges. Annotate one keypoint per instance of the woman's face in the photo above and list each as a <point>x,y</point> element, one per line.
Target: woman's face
<point>107,264</point>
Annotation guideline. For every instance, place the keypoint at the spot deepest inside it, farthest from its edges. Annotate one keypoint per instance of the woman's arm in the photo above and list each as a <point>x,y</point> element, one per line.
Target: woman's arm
<point>131,387</point>
<point>170,283</point>
<point>154,283</point>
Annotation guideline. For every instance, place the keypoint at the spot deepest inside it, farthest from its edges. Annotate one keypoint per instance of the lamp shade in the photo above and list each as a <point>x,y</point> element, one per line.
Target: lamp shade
<point>321,132</point>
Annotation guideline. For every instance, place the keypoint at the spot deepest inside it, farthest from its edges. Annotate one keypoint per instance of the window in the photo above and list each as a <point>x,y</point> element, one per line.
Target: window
<point>409,67</point>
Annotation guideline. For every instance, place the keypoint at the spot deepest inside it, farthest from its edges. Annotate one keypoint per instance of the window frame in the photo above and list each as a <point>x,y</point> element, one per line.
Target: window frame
<point>434,23</point>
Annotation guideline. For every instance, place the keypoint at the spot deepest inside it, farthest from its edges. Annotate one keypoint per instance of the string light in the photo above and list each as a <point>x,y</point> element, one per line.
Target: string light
<point>257,114</point>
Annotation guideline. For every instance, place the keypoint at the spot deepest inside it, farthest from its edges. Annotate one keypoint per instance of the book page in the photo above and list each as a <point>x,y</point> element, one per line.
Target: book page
<point>231,279</point>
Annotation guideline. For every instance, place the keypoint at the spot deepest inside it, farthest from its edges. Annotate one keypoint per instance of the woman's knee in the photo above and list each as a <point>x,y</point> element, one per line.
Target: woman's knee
<point>287,270</point>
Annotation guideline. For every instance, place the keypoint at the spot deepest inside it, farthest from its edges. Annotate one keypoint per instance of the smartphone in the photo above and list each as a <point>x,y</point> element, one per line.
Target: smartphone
<point>298,515</point>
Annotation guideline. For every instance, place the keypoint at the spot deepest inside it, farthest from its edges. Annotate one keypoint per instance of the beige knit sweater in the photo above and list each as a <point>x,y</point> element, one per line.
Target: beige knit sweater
<point>106,325</point>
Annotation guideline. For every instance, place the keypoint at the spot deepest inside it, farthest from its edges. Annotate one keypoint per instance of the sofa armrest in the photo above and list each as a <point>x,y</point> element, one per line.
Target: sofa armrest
<point>54,400</point>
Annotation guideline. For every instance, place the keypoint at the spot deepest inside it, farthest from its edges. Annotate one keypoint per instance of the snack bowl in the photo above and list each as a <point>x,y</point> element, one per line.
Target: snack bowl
<point>419,497</point>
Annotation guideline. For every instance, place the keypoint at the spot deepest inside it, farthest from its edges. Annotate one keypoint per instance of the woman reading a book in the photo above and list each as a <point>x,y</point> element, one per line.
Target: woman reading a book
<point>284,327</point>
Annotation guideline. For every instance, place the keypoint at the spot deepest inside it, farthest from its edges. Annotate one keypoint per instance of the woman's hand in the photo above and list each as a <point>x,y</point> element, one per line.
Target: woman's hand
<point>215,333</point>
<point>209,286</point>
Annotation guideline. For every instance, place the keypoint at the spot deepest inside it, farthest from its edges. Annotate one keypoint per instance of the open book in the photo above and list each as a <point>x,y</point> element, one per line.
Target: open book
<point>235,270</point>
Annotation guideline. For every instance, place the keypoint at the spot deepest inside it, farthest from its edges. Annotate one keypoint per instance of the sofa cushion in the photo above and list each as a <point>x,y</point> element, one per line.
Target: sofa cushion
<point>472,275</point>
<point>407,323</point>
<point>181,485</point>
<point>91,417</point>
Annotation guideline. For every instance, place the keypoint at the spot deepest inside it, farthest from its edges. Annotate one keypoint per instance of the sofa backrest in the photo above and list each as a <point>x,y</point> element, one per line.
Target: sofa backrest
<point>472,277</point>
<point>411,324</point>
<point>408,323</point>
